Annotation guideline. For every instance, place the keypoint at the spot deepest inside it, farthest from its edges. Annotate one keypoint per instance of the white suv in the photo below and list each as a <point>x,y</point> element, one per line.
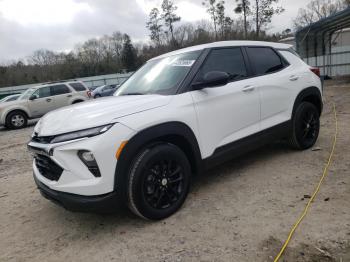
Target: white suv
<point>37,101</point>
<point>179,114</point>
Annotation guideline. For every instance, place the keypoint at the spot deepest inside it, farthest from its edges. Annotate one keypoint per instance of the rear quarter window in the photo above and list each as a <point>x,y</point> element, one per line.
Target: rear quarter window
<point>78,87</point>
<point>264,60</point>
<point>59,90</point>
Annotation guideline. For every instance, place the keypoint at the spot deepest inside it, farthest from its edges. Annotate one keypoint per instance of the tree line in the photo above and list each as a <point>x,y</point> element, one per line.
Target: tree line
<point>117,53</point>
<point>108,54</point>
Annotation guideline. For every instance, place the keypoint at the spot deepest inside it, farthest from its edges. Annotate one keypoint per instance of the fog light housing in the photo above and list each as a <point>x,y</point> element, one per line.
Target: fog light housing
<point>87,156</point>
<point>88,159</point>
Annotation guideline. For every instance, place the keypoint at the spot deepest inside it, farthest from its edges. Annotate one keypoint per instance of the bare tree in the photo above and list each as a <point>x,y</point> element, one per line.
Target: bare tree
<point>263,12</point>
<point>220,15</point>
<point>154,25</point>
<point>211,9</point>
<point>243,7</point>
<point>170,17</point>
<point>318,9</point>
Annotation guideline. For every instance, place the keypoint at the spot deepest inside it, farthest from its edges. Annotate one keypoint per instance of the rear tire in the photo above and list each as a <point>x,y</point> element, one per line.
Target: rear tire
<point>158,182</point>
<point>305,126</point>
<point>16,120</point>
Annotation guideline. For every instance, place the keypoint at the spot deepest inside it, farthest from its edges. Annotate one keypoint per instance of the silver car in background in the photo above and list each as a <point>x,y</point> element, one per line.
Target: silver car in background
<point>39,100</point>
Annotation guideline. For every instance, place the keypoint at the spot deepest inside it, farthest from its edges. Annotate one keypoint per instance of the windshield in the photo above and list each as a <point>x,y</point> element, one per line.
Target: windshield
<point>161,76</point>
<point>27,94</point>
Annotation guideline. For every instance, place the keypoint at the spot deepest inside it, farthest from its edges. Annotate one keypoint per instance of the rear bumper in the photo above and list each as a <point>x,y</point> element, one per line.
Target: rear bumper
<point>107,203</point>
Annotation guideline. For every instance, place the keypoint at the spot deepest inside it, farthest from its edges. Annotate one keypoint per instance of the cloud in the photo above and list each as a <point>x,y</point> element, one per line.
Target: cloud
<point>27,25</point>
<point>43,12</point>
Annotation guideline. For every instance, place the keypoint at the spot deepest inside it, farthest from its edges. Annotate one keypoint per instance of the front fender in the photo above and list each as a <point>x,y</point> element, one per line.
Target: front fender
<point>11,108</point>
<point>148,136</point>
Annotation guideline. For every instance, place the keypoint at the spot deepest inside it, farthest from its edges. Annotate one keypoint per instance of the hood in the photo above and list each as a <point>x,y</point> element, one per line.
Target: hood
<point>96,113</point>
<point>12,103</point>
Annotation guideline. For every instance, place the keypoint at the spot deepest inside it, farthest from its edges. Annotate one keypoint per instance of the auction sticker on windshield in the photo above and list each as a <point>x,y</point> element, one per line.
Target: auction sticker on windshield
<point>183,63</point>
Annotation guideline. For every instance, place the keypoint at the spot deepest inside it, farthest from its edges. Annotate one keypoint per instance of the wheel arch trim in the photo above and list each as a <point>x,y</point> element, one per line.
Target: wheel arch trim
<point>153,135</point>
<point>10,110</point>
<point>311,91</point>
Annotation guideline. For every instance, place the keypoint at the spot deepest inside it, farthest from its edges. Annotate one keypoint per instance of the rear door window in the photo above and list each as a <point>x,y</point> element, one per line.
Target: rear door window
<point>228,60</point>
<point>78,87</point>
<point>264,60</point>
<point>59,90</point>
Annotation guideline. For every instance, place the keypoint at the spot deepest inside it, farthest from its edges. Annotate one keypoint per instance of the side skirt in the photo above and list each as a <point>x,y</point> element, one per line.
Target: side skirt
<point>247,144</point>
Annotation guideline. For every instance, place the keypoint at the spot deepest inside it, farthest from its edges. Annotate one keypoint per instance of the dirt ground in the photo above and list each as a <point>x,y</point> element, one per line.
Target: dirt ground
<point>240,211</point>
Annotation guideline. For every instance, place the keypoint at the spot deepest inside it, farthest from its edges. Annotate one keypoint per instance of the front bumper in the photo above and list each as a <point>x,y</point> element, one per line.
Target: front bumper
<point>62,170</point>
<point>107,203</point>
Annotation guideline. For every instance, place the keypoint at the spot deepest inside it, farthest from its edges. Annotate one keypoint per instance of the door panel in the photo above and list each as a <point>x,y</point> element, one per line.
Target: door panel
<point>61,95</point>
<point>276,82</point>
<point>276,98</point>
<point>230,112</point>
<point>42,104</point>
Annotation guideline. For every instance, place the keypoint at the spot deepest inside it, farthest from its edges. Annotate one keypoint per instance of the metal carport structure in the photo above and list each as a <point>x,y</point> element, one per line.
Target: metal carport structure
<point>314,42</point>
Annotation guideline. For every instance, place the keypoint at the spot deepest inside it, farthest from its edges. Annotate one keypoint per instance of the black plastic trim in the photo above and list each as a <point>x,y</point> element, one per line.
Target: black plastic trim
<point>247,144</point>
<point>308,92</point>
<point>107,203</point>
<point>186,83</point>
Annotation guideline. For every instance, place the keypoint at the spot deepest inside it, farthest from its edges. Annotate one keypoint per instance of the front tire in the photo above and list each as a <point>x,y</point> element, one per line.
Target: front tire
<point>305,126</point>
<point>159,181</point>
<point>16,120</point>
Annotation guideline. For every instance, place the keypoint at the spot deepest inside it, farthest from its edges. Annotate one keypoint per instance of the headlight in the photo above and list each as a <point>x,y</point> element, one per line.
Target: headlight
<point>81,133</point>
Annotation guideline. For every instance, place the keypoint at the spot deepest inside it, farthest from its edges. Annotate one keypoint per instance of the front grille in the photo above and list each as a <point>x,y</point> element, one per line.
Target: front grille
<point>47,167</point>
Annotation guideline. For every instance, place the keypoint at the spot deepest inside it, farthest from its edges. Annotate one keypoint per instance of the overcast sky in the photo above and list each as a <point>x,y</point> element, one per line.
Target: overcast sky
<point>27,25</point>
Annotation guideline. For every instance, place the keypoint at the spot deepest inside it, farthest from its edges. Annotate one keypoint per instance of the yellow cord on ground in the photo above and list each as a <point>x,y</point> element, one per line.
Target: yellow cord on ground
<point>325,171</point>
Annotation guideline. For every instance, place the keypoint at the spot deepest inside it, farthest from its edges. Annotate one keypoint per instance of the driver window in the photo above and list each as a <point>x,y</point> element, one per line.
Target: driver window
<point>42,92</point>
<point>229,60</point>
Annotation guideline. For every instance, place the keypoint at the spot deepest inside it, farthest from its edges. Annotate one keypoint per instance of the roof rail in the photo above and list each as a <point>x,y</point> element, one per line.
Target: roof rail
<point>58,81</point>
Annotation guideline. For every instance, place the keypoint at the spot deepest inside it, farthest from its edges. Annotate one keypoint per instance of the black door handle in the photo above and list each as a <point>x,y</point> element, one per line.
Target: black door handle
<point>48,99</point>
<point>69,96</point>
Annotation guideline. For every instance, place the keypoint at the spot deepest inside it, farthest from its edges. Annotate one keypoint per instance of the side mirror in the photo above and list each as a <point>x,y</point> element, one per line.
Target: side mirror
<point>33,97</point>
<point>212,79</point>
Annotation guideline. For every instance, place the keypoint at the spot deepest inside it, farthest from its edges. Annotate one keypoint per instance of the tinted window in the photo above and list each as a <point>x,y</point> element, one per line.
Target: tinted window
<point>107,88</point>
<point>78,87</point>
<point>229,60</point>
<point>264,60</point>
<point>43,92</point>
<point>59,89</point>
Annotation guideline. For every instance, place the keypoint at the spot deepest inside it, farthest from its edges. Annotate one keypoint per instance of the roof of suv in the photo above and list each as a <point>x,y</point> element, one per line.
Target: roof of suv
<point>225,43</point>
<point>55,83</point>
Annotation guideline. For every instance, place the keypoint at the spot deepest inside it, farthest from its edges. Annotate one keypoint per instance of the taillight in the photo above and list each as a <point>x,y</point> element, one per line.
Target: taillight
<point>316,71</point>
<point>89,93</point>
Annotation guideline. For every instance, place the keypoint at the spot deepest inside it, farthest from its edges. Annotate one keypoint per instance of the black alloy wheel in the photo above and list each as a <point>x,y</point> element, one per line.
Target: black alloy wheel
<point>159,181</point>
<point>306,126</point>
<point>163,183</point>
